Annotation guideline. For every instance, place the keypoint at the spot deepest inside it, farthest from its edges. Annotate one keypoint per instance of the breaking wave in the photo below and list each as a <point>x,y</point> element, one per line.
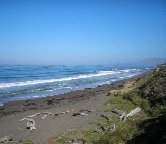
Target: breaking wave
<point>35,82</point>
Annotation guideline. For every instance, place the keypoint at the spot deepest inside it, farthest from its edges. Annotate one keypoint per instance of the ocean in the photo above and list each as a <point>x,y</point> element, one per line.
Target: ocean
<point>21,82</point>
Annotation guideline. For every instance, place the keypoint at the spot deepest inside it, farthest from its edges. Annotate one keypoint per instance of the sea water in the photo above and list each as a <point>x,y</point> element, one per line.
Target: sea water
<point>21,82</point>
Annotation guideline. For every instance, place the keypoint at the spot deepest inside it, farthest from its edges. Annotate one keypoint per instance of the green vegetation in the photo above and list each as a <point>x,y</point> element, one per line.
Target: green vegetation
<point>61,140</point>
<point>26,142</point>
<point>155,89</point>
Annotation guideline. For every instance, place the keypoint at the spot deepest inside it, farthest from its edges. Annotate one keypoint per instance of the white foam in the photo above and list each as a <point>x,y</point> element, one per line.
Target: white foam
<point>1,104</point>
<point>121,77</point>
<point>108,72</point>
<point>35,82</point>
<point>35,96</point>
<point>59,88</point>
<point>129,70</point>
<point>131,76</point>
<point>102,83</point>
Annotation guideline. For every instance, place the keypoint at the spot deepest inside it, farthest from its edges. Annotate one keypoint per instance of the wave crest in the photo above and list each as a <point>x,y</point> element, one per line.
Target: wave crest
<point>35,82</point>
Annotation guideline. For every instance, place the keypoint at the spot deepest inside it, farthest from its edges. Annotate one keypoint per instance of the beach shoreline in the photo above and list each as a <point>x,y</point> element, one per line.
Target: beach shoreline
<point>88,99</point>
<point>18,106</point>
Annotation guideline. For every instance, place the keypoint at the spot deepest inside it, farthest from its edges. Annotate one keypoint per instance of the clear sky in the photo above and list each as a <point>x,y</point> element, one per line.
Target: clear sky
<point>81,31</point>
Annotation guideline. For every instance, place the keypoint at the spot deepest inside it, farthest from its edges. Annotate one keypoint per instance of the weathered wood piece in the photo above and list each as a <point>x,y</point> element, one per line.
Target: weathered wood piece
<point>108,129</point>
<point>133,112</point>
<point>75,114</point>
<point>31,124</point>
<point>119,112</point>
<point>123,116</point>
<point>82,112</point>
<point>25,118</point>
<point>87,111</point>
<point>30,116</point>
<point>44,116</point>
<point>59,113</point>
<point>48,113</point>
<point>104,116</point>
<point>6,139</point>
<point>67,111</point>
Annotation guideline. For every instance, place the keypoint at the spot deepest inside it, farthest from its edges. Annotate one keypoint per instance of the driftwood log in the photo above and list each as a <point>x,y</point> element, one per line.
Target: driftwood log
<point>104,116</point>
<point>46,114</point>
<point>30,123</point>
<point>59,113</point>
<point>133,112</point>
<point>83,112</point>
<point>6,139</point>
<point>31,116</point>
<point>80,113</point>
<point>108,129</point>
<point>123,116</point>
<point>87,111</point>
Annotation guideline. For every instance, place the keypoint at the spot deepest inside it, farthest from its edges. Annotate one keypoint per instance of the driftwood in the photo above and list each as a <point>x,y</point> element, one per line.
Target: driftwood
<point>104,116</point>
<point>87,111</point>
<point>33,115</point>
<point>62,112</point>
<point>25,118</point>
<point>133,112</point>
<point>123,116</point>
<point>119,112</point>
<point>46,114</point>
<point>83,112</point>
<point>59,113</point>
<point>43,117</point>
<point>67,111</point>
<point>75,114</point>
<point>80,113</point>
<point>6,139</point>
<point>108,129</point>
<point>30,123</point>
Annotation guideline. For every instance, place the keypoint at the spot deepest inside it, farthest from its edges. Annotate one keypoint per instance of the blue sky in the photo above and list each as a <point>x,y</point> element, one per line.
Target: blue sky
<point>81,31</point>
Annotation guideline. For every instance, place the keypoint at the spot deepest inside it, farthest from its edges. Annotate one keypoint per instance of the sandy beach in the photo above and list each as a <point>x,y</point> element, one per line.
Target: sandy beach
<point>70,103</point>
